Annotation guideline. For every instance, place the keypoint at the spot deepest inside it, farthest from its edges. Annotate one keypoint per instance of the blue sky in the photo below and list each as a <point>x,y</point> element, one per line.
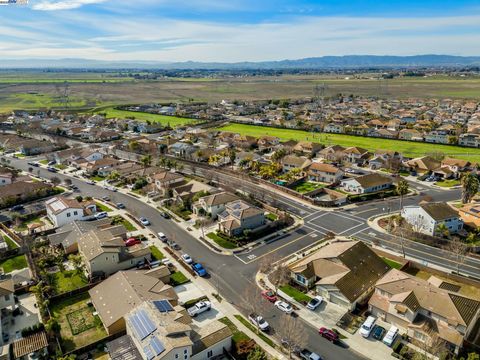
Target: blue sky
<point>236,30</point>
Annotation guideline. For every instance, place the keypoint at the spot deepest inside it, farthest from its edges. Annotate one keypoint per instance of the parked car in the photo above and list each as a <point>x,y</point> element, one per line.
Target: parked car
<point>101,215</point>
<point>17,208</point>
<point>314,303</point>
<point>367,326</point>
<point>378,332</point>
<point>391,335</point>
<point>328,334</point>
<point>199,269</point>
<point>50,163</point>
<point>199,308</point>
<point>32,163</point>
<point>187,258</point>
<point>174,245</point>
<point>283,306</point>
<point>162,237</point>
<point>259,322</point>
<point>144,221</point>
<point>164,215</point>
<point>106,198</point>
<point>91,182</point>
<point>269,295</point>
<point>309,355</point>
<point>52,169</point>
<point>120,206</point>
<point>132,241</point>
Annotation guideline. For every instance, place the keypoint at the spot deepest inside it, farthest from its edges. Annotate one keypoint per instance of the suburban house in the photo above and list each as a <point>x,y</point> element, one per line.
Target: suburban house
<point>240,216</point>
<point>267,143</point>
<point>424,309</point>
<point>105,253</point>
<point>422,165</point>
<point>469,139</point>
<point>331,153</point>
<point>62,211</point>
<point>20,191</point>
<point>7,299</point>
<point>385,159</point>
<point>426,218</point>
<point>213,205</point>
<point>410,134</point>
<point>343,272</point>
<point>366,184</point>
<point>334,128</point>
<point>326,173</point>
<point>165,180</point>
<point>184,193</point>
<point>457,166</point>
<point>6,177</point>
<point>162,331</point>
<point>290,162</point>
<point>470,214</point>
<point>307,147</point>
<point>120,293</point>
<point>356,155</point>
<point>437,137</point>
<point>182,149</point>
<point>75,155</point>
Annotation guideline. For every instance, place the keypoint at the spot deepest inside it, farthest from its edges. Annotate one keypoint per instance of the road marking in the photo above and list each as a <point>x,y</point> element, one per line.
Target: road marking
<point>353,227</point>
<point>361,230</point>
<point>316,226</point>
<point>351,217</point>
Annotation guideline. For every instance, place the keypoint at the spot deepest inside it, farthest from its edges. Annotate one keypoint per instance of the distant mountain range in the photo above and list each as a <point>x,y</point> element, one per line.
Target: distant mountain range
<point>314,63</point>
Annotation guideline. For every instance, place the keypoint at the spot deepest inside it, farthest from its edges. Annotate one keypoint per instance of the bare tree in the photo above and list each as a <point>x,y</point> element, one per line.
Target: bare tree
<point>267,263</point>
<point>292,333</point>
<point>279,276</point>
<point>55,181</point>
<point>432,345</point>
<point>459,249</point>
<point>254,303</point>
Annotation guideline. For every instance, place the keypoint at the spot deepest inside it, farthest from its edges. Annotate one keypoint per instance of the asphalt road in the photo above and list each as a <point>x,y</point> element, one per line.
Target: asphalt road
<point>233,274</point>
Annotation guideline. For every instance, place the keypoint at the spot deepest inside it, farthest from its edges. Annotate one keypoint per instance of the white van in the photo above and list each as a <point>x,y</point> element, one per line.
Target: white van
<point>367,326</point>
<point>391,335</point>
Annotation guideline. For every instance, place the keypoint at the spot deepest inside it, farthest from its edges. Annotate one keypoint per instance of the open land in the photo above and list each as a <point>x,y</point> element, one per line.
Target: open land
<point>173,121</point>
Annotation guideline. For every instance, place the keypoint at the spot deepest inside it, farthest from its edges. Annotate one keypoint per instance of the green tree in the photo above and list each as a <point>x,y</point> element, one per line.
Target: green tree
<point>402,190</point>
<point>113,176</point>
<point>470,186</point>
<point>146,161</point>
<point>279,155</point>
<point>443,230</point>
<point>257,354</point>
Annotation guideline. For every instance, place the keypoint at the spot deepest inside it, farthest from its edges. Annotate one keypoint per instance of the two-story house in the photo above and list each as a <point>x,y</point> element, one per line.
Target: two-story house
<point>326,173</point>
<point>212,205</point>
<point>356,155</point>
<point>62,211</point>
<point>291,162</point>
<point>426,218</point>
<point>165,181</point>
<point>240,216</point>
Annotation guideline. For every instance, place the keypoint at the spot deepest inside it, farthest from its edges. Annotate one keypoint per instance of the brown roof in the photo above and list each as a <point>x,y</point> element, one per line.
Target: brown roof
<point>439,211</point>
<point>166,176</point>
<point>22,188</point>
<point>297,161</point>
<point>324,167</point>
<point>424,163</point>
<point>220,198</point>
<point>209,336</point>
<point>367,181</point>
<point>30,344</point>
<point>455,162</point>
<point>355,150</point>
<point>7,287</point>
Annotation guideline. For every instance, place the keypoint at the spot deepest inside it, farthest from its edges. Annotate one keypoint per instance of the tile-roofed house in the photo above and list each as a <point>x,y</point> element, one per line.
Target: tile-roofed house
<point>356,155</point>
<point>367,183</point>
<point>326,173</point>
<point>342,272</point>
<point>421,309</point>
<point>213,204</point>
<point>61,210</point>
<point>410,134</point>
<point>422,164</point>
<point>165,180</point>
<point>290,162</point>
<point>331,153</point>
<point>307,147</point>
<point>35,343</point>
<point>240,216</point>
<point>426,218</point>
<point>456,165</point>
<point>120,293</point>
<point>23,190</point>
<point>188,190</point>
<point>470,214</point>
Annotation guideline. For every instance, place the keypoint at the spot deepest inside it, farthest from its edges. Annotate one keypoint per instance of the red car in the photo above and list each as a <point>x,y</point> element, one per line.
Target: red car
<point>132,241</point>
<point>328,334</point>
<point>269,295</point>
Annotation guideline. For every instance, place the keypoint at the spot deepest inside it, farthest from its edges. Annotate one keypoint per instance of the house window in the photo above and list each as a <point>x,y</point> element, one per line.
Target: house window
<point>209,353</point>
<point>75,212</point>
<point>68,214</point>
<point>7,297</point>
<point>185,351</point>
<point>300,278</point>
<point>176,356</point>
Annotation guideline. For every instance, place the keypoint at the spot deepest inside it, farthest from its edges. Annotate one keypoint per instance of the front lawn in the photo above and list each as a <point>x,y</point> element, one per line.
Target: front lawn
<point>44,162</point>
<point>15,263</point>
<point>101,207</point>
<point>178,278</point>
<point>78,325</point>
<point>224,243</point>
<point>238,336</point>
<point>120,220</point>
<point>61,166</point>
<point>11,244</point>
<point>97,178</point>
<point>308,186</point>
<point>156,253</point>
<point>253,328</point>
<point>448,183</point>
<point>64,281</point>
<point>295,294</point>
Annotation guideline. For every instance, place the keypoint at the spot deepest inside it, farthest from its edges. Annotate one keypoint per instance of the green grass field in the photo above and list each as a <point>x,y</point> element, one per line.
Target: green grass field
<point>407,148</point>
<point>15,263</point>
<point>65,281</point>
<point>173,121</point>
<point>221,241</point>
<point>32,101</point>
<point>308,186</point>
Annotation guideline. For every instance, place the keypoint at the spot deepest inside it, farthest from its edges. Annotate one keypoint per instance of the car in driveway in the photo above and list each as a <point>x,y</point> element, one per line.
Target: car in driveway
<point>328,334</point>
<point>314,303</point>
<point>284,306</point>
<point>199,269</point>
<point>378,332</point>
<point>132,241</point>
<point>144,221</point>
<point>187,258</point>
<point>367,326</point>
<point>389,338</point>
<point>269,295</point>
<point>199,308</point>
<point>101,215</point>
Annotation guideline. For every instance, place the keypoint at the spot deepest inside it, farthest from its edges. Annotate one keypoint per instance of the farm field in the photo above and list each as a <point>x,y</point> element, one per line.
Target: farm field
<point>407,148</point>
<point>173,121</point>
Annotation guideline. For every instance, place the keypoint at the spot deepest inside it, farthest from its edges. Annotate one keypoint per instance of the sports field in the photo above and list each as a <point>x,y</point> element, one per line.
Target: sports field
<point>173,121</point>
<point>407,148</point>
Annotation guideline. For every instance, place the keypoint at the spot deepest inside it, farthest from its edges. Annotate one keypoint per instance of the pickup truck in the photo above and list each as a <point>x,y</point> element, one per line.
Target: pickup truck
<point>199,308</point>
<point>199,269</point>
<point>308,355</point>
<point>259,322</point>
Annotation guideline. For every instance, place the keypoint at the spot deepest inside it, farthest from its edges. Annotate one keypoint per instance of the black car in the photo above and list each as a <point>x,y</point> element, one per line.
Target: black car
<point>17,208</point>
<point>378,332</point>
<point>120,206</point>
<point>33,164</point>
<point>164,215</point>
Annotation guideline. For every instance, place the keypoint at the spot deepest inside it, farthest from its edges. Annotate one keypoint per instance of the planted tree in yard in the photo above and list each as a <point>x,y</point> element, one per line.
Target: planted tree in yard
<point>113,176</point>
<point>443,230</point>
<point>292,333</point>
<point>257,354</point>
<point>470,186</point>
<point>146,161</point>
<point>402,190</point>
<point>67,181</point>
<point>279,276</point>
<point>459,249</point>
<point>77,263</point>
<point>55,181</point>
<point>254,302</point>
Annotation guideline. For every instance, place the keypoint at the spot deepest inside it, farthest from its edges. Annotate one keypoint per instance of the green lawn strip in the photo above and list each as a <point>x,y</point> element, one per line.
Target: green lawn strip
<point>178,278</point>
<point>15,263</point>
<point>61,166</point>
<point>271,217</point>
<point>128,225</point>
<point>156,253</point>
<point>308,186</point>
<point>448,183</point>
<point>97,178</point>
<point>43,162</point>
<point>407,148</point>
<point>238,336</point>
<point>221,241</point>
<point>253,328</point>
<point>11,244</point>
<point>101,207</point>
<point>392,264</point>
<point>173,121</point>
<point>64,281</point>
<point>295,294</point>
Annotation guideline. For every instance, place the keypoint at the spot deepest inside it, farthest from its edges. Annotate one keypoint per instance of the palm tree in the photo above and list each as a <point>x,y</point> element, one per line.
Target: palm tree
<point>470,186</point>
<point>442,229</point>
<point>402,190</point>
<point>214,159</point>
<point>146,161</point>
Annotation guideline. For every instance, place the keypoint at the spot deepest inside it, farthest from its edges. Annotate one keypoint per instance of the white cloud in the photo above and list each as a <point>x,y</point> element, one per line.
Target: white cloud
<point>47,5</point>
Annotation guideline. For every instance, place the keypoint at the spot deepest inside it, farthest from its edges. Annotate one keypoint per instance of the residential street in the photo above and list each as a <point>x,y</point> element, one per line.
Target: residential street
<point>233,274</point>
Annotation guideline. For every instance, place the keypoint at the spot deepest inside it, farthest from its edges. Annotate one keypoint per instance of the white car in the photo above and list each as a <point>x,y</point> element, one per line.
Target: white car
<point>162,237</point>
<point>259,322</point>
<point>367,326</point>
<point>101,215</point>
<point>144,221</point>
<point>91,182</point>
<point>199,308</point>
<point>283,306</point>
<point>391,335</point>
<point>314,303</point>
<point>187,258</point>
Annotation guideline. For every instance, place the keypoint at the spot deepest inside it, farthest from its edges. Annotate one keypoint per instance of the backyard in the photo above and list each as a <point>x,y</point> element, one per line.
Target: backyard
<point>11,244</point>
<point>78,325</point>
<point>307,186</point>
<point>407,148</point>
<point>14,263</point>
<point>64,281</point>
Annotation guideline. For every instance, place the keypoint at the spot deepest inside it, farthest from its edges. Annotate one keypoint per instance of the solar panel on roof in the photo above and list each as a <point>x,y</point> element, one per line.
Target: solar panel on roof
<point>163,306</point>
<point>147,323</point>
<point>148,353</point>
<point>138,327</point>
<point>157,346</point>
